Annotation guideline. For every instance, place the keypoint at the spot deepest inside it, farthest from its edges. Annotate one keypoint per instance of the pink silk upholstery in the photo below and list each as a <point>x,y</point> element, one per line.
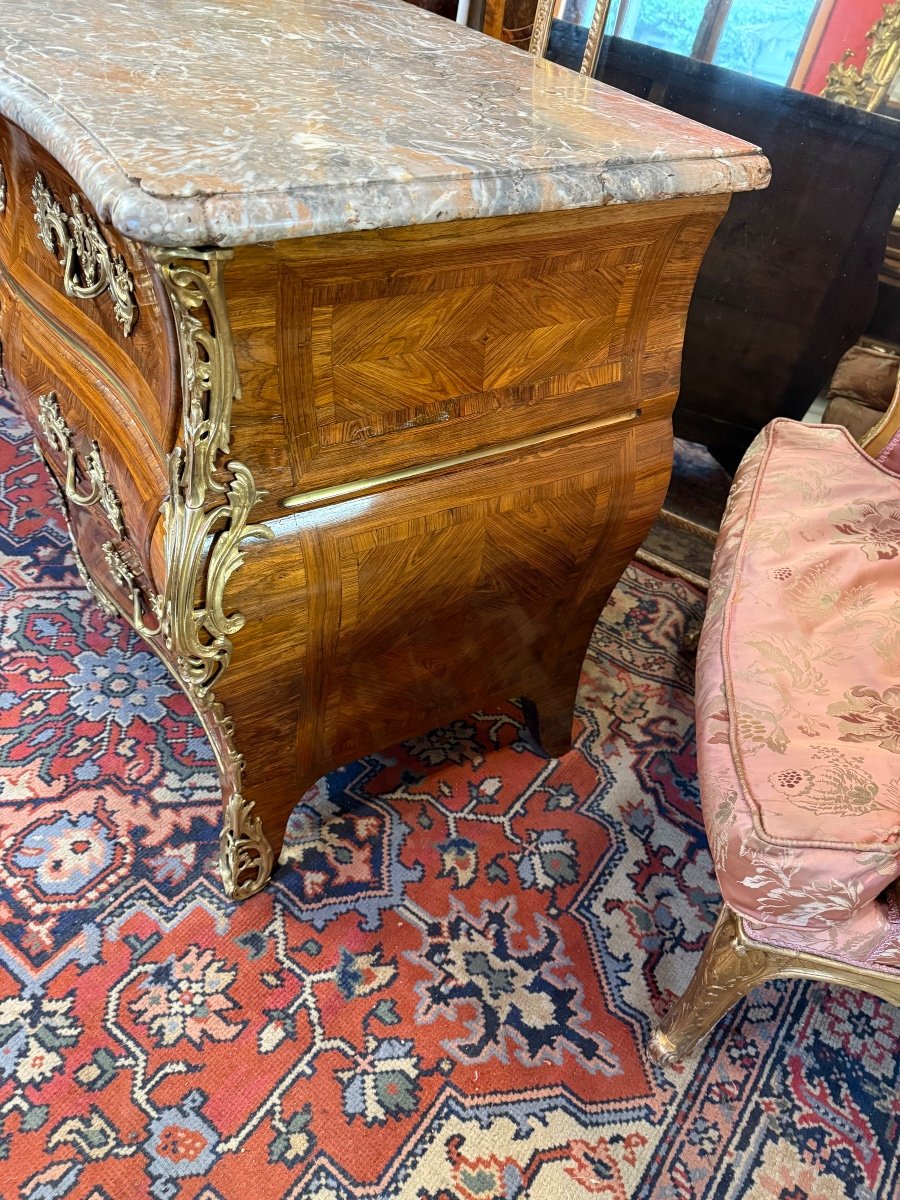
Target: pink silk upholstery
<point>798,696</point>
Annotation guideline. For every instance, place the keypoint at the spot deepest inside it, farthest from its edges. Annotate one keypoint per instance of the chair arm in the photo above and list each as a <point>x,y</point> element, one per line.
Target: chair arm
<point>881,435</point>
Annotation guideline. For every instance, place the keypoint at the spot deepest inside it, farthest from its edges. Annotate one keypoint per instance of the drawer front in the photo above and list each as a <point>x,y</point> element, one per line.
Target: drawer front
<point>397,348</point>
<point>107,464</point>
<point>97,285</point>
<point>110,568</point>
<point>6,295</point>
<point>374,621</point>
<point>6,325</point>
<point>5,199</point>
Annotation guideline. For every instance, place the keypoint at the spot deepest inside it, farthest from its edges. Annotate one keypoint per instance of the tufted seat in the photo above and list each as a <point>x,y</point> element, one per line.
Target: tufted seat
<point>798,724</point>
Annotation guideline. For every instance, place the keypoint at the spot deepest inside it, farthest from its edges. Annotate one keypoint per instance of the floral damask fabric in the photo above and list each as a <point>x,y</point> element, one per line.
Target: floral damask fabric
<point>798,695</point>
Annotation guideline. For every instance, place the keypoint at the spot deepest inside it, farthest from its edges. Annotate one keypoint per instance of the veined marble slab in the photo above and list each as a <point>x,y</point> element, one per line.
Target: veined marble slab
<point>190,122</point>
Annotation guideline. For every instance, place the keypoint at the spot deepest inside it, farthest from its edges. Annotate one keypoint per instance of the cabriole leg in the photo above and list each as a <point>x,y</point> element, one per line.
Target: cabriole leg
<point>728,970</point>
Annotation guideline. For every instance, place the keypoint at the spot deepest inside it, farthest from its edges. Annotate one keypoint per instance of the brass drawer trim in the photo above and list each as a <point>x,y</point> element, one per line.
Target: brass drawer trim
<point>375,483</point>
<point>90,268</point>
<point>96,593</point>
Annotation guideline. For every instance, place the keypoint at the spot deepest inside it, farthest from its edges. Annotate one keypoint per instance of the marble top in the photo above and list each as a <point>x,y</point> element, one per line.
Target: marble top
<point>191,122</point>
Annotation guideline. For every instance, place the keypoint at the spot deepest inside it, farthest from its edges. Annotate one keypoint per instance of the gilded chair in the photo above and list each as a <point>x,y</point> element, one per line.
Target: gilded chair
<point>798,723</point>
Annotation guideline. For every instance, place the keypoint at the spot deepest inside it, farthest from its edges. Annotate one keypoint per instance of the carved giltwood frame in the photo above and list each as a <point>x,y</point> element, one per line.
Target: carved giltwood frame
<point>733,963</point>
<point>868,87</point>
<point>540,34</point>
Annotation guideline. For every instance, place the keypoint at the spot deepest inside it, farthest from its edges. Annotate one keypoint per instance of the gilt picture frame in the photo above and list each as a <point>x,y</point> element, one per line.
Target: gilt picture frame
<point>875,84</point>
<point>540,36</point>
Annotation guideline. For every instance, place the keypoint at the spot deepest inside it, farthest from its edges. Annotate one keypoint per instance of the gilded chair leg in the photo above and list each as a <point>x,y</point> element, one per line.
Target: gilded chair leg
<point>728,970</point>
<point>690,640</point>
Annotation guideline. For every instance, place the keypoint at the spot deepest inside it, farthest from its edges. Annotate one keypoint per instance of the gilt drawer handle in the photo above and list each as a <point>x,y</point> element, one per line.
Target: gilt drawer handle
<point>89,266</point>
<point>59,437</point>
<point>99,598</point>
<point>126,579</point>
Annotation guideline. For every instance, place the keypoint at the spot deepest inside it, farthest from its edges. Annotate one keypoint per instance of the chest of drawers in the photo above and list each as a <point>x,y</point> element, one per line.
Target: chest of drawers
<point>362,447</point>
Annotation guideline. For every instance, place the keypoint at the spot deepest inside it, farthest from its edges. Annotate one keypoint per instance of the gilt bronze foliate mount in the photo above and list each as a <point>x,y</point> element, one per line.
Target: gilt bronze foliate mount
<point>60,438</point>
<point>90,268</point>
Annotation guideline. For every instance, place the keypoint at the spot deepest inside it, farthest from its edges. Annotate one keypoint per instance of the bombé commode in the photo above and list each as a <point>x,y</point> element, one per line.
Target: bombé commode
<point>352,352</point>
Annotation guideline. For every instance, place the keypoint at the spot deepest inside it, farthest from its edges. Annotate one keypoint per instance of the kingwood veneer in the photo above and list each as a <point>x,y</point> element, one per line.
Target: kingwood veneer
<point>378,458</point>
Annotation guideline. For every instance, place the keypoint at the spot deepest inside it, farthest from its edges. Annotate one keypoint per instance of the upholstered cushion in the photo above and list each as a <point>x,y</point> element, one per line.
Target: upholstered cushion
<point>861,389</point>
<point>798,688</point>
<point>869,937</point>
<point>867,376</point>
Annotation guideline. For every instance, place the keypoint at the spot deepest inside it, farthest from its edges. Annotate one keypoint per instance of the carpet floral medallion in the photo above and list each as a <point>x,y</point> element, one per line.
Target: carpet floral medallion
<point>446,992</point>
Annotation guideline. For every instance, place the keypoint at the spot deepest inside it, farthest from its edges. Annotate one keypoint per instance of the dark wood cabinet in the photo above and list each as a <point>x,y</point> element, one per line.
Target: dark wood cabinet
<point>790,280</point>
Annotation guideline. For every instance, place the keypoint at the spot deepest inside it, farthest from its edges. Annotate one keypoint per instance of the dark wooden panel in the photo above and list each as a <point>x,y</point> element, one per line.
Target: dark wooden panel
<point>790,279</point>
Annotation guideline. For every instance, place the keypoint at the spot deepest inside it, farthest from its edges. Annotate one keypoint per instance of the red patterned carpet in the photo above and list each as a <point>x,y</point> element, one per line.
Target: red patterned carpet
<point>447,990</point>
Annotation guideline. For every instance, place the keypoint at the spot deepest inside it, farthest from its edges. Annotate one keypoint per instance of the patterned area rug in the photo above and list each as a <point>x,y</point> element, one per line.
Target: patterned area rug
<point>446,992</point>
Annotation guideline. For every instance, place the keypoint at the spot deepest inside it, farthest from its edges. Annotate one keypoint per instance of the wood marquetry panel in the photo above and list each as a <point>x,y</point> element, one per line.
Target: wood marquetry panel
<point>476,416</point>
<point>383,353</point>
<point>386,617</point>
<point>495,564</point>
<point>367,353</point>
<point>431,337</point>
